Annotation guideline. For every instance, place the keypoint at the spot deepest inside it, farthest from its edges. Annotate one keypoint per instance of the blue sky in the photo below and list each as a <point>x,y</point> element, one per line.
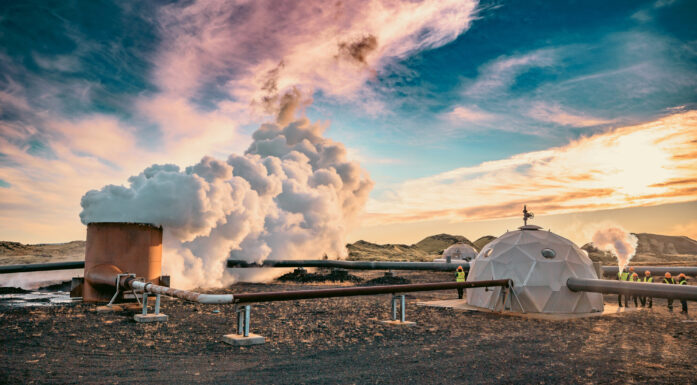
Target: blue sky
<point>596,59</point>
<point>449,86</point>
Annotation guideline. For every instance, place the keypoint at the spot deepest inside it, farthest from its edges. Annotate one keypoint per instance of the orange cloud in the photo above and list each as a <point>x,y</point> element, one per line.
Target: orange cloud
<point>643,165</point>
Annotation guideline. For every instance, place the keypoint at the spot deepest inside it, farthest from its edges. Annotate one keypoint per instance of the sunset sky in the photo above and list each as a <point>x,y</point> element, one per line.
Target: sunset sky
<point>460,111</point>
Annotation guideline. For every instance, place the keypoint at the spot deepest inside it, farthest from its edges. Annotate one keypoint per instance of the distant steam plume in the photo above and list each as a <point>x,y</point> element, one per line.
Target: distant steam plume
<point>293,194</point>
<point>619,242</point>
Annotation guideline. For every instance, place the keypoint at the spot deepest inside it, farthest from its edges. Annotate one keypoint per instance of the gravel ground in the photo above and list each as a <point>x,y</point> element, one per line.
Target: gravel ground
<point>340,341</point>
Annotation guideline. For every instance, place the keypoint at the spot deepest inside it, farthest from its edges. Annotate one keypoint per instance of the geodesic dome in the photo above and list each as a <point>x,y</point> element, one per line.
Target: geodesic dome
<point>539,263</point>
<point>461,251</point>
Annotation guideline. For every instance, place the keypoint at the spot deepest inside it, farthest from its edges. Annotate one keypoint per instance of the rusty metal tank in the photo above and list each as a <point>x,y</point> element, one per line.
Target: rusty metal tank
<point>127,247</point>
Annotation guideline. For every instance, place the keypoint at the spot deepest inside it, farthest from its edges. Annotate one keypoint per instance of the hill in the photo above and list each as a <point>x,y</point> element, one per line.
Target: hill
<point>424,250</point>
<point>653,249</point>
<point>483,241</point>
<point>18,253</point>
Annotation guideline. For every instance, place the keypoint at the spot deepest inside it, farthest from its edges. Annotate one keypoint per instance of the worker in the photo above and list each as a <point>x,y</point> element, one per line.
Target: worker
<point>622,276</point>
<point>682,280</point>
<point>634,278</point>
<point>669,280</point>
<point>460,277</point>
<point>647,300</point>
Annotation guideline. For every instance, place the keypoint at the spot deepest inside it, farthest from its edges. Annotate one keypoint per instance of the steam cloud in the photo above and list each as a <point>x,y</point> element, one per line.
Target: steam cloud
<point>619,242</point>
<point>293,194</point>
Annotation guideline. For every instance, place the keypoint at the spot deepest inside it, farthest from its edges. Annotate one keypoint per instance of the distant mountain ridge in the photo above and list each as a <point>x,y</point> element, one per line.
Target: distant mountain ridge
<point>424,250</point>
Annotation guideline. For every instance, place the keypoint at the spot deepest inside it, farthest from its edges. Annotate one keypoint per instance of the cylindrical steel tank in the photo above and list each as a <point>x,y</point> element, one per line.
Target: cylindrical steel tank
<point>129,247</point>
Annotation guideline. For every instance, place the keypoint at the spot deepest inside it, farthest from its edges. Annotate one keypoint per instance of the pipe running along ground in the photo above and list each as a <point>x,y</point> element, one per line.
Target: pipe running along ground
<point>305,294</point>
<point>639,289</point>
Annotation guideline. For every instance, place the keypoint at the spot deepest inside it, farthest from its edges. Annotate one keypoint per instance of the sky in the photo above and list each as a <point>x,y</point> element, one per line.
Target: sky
<point>460,111</point>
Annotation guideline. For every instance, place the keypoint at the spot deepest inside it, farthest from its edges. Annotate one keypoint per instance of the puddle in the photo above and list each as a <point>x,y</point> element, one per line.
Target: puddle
<point>36,298</point>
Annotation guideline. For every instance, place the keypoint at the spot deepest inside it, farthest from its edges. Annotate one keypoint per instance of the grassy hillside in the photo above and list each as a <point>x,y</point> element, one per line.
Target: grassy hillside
<point>18,253</point>
<point>424,250</point>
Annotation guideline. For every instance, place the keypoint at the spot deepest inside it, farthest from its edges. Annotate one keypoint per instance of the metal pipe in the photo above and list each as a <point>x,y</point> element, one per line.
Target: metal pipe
<point>183,294</point>
<point>633,288</point>
<point>430,266</point>
<point>611,271</point>
<point>363,290</point>
<point>354,265</point>
<point>10,269</point>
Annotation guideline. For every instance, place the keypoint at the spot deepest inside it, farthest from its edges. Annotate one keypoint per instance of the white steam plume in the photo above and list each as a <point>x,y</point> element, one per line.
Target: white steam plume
<point>292,195</point>
<point>617,241</point>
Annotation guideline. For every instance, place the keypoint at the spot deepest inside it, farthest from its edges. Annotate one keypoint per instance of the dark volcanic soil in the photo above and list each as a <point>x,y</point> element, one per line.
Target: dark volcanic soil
<point>340,341</point>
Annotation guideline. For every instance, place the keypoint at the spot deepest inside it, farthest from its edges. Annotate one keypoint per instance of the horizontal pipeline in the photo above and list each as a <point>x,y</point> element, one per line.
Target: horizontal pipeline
<point>10,269</point>
<point>353,265</point>
<point>611,271</point>
<point>364,290</point>
<point>658,290</point>
<point>305,294</point>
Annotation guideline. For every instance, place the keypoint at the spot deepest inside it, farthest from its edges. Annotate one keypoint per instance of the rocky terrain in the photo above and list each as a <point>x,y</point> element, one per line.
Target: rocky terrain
<point>18,253</point>
<point>340,340</point>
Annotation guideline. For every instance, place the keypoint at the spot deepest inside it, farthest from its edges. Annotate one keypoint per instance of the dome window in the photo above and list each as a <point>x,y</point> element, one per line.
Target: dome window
<point>549,253</point>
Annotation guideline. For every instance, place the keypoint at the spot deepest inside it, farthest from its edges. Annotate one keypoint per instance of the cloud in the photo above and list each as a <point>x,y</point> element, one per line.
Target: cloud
<point>648,164</point>
<point>330,46</point>
<point>498,75</point>
<point>553,113</point>
<point>468,114</point>
<point>207,67</point>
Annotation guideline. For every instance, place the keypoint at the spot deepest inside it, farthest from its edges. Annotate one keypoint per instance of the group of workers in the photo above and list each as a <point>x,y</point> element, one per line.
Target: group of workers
<point>631,276</point>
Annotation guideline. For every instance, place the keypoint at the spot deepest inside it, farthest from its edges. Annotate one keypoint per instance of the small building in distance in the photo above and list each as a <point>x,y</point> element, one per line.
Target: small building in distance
<point>458,253</point>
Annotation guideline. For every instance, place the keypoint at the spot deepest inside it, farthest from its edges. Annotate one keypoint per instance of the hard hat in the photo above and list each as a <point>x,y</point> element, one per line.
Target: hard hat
<point>635,275</point>
<point>459,267</point>
<point>681,275</point>
<point>667,275</point>
<point>647,272</point>
<point>631,268</point>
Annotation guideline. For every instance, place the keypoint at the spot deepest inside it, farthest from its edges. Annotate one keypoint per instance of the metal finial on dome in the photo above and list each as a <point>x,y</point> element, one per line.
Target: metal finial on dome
<point>527,215</point>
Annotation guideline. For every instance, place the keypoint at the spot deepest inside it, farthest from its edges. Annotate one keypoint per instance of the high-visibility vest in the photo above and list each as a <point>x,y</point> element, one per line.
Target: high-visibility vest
<point>631,279</point>
<point>683,282</point>
<point>460,276</point>
<point>672,281</point>
<point>648,279</point>
<point>623,275</point>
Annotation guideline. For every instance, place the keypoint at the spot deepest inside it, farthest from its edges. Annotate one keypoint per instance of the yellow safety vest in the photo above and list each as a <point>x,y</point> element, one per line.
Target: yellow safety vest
<point>623,275</point>
<point>683,282</point>
<point>648,279</point>
<point>672,281</point>
<point>460,276</point>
